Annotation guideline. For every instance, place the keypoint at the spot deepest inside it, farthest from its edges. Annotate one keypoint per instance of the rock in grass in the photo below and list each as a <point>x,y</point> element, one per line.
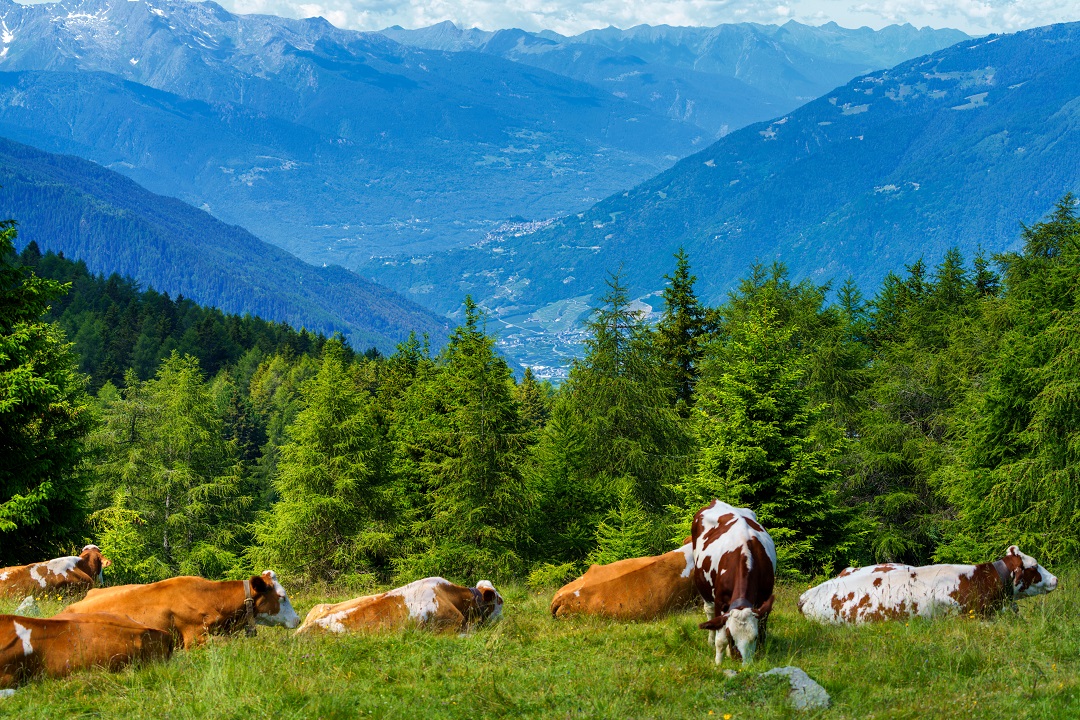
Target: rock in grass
<point>6,693</point>
<point>805,693</point>
<point>28,607</point>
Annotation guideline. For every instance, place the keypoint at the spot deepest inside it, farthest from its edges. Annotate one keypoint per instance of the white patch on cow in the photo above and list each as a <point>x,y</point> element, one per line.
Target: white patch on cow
<point>37,573</point>
<point>332,622</point>
<point>60,566</point>
<point>24,635</point>
<point>688,552</point>
<point>4,575</point>
<point>743,625</point>
<point>577,593</point>
<point>285,616</point>
<point>420,597</point>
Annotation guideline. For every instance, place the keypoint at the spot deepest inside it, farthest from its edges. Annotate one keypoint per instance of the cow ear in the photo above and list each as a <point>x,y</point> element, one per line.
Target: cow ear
<point>765,608</point>
<point>258,584</point>
<point>1013,550</point>
<point>106,562</point>
<point>488,595</point>
<point>716,623</point>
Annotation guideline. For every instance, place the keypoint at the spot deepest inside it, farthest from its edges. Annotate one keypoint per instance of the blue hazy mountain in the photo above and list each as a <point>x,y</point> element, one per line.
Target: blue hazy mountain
<point>957,148</point>
<point>73,206</point>
<point>335,145</point>
<point>719,78</point>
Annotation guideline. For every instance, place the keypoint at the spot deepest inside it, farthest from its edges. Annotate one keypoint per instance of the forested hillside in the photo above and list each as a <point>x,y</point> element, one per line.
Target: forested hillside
<point>69,205</point>
<point>935,420</point>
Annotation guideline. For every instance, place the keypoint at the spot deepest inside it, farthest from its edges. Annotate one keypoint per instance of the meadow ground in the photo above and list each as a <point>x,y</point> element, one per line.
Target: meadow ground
<point>529,665</point>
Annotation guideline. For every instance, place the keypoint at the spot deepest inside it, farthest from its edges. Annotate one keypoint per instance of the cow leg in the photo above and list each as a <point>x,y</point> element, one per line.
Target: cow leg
<point>721,643</point>
<point>710,610</point>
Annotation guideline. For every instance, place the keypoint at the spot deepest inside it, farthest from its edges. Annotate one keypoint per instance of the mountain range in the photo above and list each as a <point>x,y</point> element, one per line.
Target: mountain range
<point>76,207</point>
<point>340,146</point>
<point>957,148</point>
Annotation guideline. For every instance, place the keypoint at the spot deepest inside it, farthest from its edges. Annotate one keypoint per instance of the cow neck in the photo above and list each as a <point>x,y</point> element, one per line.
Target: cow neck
<point>249,610</point>
<point>1005,577</point>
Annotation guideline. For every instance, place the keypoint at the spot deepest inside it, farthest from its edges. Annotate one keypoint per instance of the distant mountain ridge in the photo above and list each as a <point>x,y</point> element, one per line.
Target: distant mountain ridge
<point>957,148</point>
<point>72,206</point>
<point>341,144</point>
<point>719,78</point>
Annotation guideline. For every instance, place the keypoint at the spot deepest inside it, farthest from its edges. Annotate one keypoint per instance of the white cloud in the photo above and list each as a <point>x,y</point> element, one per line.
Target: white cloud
<point>574,16</point>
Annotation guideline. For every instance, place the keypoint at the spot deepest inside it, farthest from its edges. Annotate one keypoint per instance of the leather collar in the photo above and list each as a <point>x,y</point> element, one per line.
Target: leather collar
<point>1005,577</point>
<point>740,603</point>
<point>249,610</point>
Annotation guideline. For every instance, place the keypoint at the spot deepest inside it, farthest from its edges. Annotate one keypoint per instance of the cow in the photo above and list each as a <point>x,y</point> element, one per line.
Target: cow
<point>71,574</point>
<point>635,589</point>
<point>56,647</point>
<point>433,602</point>
<point>193,607</point>
<point>734,572</point>
<point>895,592</point>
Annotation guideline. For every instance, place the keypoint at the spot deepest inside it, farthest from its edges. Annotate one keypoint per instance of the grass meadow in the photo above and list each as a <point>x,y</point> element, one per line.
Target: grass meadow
<point>529,665</point>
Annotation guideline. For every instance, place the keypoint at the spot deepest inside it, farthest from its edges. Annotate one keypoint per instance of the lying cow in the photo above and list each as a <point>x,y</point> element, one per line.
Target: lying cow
<point>72,574</point>
<point>634,589</point>
<point>432,602</point>
<point>194,607</point>
<point>56,647</point>
<point>734,571</point>
<point>892,592</point>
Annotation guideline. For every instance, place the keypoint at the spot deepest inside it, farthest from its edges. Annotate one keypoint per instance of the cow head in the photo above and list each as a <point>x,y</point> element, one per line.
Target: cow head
<point>95,562</point>
<point>1028,577</point>
<point>272,606</point>
<point>489,603</point>
<point>740,627</point>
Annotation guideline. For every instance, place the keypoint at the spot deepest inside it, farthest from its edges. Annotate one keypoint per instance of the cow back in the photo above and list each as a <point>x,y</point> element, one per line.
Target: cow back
<point>633,589</point>
<point>734,556</point>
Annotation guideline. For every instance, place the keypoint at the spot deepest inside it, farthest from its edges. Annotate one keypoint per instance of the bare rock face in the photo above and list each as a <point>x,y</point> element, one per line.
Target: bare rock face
<point>805,693</point>
<point>28,607</point>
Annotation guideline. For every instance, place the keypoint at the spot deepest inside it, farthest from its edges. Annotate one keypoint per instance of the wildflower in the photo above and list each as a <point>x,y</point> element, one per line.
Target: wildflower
<point>727,716</point>
<point>710,712</point>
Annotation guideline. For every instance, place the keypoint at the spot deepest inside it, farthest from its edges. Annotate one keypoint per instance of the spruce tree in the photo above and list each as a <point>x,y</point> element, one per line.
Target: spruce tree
<point>763,443</point>
<point>680,332</point>
<point>44,419</point>
<point>333,517</point>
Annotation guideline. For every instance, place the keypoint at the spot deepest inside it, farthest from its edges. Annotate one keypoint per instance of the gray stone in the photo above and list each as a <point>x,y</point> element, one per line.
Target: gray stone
<point>805,693</point>
<point>6,693</point>
<point>730,673</point>
<point>28,607</point>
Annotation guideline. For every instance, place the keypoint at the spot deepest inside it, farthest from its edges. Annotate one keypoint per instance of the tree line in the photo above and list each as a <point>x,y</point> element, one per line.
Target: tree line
<point>938,420</point>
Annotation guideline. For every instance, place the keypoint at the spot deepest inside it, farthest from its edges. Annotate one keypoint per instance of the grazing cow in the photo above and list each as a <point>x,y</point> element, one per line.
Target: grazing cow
<point>734,571</point>
<point>634,589</point>
<point>194,607</point>
<point>56,647</point>
<point>72,574</point>
<point>431,602</point>
<point>896,592</point>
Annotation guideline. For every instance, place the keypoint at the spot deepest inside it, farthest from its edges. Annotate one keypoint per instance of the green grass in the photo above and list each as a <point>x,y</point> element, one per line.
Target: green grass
<point>529,665</point>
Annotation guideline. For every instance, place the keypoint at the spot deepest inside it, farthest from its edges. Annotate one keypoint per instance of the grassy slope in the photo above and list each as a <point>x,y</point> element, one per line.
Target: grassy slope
<point>1024,666</point>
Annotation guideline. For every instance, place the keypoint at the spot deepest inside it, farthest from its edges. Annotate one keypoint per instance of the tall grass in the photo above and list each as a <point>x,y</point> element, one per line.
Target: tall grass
<point>529,665</point>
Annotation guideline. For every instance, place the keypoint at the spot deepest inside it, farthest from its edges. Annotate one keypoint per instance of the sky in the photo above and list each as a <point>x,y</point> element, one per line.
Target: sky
<point>574,16</point>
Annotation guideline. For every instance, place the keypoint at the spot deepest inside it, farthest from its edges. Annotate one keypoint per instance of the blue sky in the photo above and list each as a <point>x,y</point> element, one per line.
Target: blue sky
<point>573,16</point>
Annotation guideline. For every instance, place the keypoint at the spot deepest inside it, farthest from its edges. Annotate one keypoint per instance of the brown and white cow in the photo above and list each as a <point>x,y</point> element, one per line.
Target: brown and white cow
<point>896,592</point>
<point>634,589</point>
<point>432,602</point>
<point>56,647</point>
<point>72,574</point>
<point>734,571</point>
<point>194,607</point>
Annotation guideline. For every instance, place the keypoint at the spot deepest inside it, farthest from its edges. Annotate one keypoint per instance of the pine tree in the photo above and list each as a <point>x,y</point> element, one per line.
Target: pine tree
<point>681,331</point>
<point>1019,479</point>
<point>44,419</point>
<point>332,520</point>
<point>170,487</point>
<point>763,443</point>
<point>534,400</point>
<point>462,427</point>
